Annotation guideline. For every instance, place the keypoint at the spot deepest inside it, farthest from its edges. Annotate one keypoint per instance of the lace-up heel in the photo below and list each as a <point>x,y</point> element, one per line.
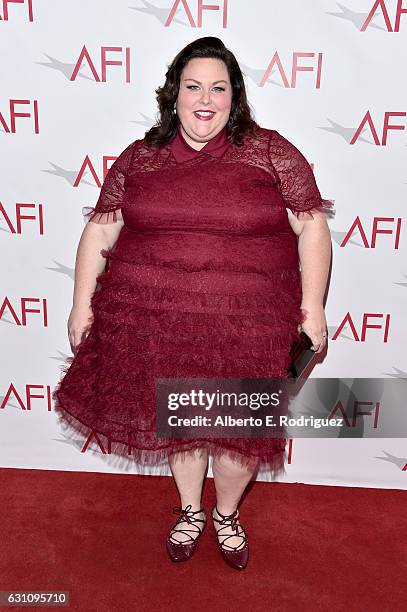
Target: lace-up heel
<point>235,556</point>
<point>179,550</point>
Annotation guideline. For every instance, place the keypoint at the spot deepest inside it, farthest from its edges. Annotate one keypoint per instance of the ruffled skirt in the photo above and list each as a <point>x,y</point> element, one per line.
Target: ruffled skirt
<point>155,322</point>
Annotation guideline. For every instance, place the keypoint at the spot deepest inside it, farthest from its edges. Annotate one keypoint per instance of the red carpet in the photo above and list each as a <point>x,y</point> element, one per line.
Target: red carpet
<point>101,537</point>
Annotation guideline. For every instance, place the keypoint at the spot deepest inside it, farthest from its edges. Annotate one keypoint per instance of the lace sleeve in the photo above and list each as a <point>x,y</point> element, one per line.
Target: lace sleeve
<point>297,181</point>
<point>108,205</point>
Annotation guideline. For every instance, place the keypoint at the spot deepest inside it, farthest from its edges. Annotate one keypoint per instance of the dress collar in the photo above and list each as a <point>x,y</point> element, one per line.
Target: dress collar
<point>183,151</point>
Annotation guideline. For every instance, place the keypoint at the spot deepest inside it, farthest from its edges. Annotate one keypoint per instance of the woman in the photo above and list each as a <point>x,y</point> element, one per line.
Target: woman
<point>203,223</point>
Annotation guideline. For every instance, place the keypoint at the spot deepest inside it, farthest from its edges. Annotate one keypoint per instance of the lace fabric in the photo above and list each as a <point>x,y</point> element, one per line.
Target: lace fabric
<point>296,180</point>
<point>109,203</point>
<point>271,151</point>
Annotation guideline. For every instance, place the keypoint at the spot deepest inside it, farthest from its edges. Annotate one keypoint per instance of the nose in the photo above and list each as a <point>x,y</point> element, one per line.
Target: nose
<point>205,97</point>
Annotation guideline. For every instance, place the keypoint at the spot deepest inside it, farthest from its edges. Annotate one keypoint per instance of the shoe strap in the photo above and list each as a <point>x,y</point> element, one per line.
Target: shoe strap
<point>187,515</point>
<point>227,519</point>
<point>230,520</point>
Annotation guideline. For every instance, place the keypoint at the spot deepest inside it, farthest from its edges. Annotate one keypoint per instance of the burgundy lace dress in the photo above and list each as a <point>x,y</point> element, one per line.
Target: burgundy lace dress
<point>203,281</point>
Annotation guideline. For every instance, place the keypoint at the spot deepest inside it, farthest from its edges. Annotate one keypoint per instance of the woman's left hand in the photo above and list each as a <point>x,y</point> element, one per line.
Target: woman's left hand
<point>315,326</point>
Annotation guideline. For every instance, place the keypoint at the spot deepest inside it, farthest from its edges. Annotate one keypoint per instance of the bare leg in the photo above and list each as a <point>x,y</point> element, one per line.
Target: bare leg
<point>230,480</point>
<point>189,473</point>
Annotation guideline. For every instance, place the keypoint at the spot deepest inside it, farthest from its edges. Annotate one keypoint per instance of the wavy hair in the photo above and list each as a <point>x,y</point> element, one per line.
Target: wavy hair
<point>240,119</point>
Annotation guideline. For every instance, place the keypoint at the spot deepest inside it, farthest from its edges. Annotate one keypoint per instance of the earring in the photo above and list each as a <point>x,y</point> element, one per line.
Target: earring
<point>175,108</point>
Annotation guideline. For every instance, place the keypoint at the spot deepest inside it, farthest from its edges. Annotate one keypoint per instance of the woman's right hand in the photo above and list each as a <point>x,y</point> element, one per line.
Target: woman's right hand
<point>79,322</point>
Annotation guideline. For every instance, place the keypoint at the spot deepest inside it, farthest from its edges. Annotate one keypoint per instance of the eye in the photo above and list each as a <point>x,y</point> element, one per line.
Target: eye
<point>216,87</point>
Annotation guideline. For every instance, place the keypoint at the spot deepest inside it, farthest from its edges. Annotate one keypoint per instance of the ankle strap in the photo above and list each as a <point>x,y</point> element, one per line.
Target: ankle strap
<point>187,515</point>
<point>231,516</point>
<point>187,510</point>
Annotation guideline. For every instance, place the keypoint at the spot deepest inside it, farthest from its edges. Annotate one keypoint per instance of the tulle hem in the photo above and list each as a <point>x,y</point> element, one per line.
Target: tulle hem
<point>126,454</point>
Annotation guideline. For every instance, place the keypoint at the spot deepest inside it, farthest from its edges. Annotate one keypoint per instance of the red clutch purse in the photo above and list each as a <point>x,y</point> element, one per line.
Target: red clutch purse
<point>301,355</point>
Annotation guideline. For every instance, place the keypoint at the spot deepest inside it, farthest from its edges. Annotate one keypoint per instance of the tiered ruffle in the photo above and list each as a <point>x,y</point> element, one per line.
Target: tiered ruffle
<point>143,332</point>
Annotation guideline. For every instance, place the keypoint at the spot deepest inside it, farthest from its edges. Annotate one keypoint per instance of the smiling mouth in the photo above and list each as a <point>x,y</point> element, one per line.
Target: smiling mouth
<point>204,115</point>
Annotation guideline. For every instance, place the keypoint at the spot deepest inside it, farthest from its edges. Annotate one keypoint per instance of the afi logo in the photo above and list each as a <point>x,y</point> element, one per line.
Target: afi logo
<point>291,82</point>
<point>27,4</point>
<point>385,129</point>
<point>13,114</point>
<point>222,5</point>
<point>87,164</point>
<point>356,412</point>
<point>369,238</point>
<point>24,309</point>
<point>105,449</point>
<point>37,216</point>
<point>365,325</point>
<point>25,398</point>
<point>381,4</point>
<point>84,56</point>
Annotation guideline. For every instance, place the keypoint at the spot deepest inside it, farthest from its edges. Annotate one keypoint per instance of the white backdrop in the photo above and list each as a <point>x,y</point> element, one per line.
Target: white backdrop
<point>77,86</point>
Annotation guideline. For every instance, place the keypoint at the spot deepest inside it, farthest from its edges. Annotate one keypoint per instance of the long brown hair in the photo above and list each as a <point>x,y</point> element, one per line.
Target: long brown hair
<point>240,119</point>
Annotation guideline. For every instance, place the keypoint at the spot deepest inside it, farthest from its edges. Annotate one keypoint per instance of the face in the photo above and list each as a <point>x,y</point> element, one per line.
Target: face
<point>204,86</point>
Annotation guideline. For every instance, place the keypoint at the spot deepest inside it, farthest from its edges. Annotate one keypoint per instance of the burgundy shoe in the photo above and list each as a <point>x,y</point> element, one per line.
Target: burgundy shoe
<point>182,551</point>
<point>235,556</point>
